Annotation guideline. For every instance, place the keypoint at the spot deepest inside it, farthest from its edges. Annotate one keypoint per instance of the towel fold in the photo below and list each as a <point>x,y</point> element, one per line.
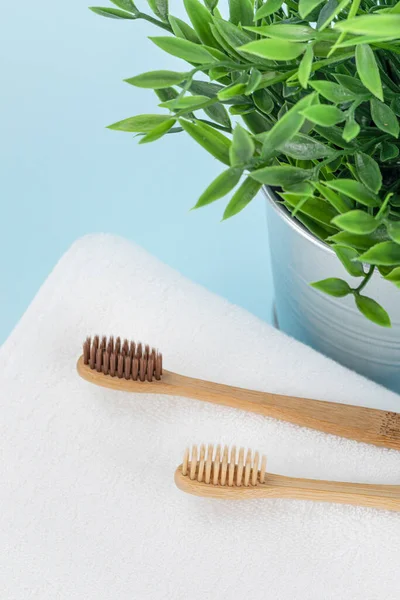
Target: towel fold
<point>89,509</point>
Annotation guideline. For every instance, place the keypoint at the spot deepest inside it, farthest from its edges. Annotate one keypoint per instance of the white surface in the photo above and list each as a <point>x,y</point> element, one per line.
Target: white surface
<point>88,505</point>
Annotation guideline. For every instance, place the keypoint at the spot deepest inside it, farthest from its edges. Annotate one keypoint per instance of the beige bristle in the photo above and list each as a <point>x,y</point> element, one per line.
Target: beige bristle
<point>231,468</point>
<point>124,359</point>
<point>216,465</point>
<point>210,450</point>
<point>201,463</point>
<point>240,466</point>
<point>224,465</point>
<point>247,469</point>
<point>221,468</point>
<point>185,462</point>
<point>193,463</point>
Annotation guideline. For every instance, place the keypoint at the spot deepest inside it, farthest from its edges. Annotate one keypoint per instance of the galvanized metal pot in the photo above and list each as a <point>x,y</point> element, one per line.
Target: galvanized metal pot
<point>331,325</point>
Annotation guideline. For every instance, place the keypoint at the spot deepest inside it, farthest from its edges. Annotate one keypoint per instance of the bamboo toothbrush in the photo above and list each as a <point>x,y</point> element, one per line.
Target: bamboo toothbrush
<point>131,367</point>
<point>238,477</point>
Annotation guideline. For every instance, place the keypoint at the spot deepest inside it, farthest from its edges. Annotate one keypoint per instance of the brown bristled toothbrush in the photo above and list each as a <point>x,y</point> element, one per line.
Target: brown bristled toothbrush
<point>131,367</point>
<point>239,476</point>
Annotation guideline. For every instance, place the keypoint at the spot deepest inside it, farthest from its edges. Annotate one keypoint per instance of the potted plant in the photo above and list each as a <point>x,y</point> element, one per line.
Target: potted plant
<point>316,88</point>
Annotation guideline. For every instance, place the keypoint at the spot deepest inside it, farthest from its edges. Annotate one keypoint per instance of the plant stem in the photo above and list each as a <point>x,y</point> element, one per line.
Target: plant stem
<point>150,19</point>
<point>365,280</point>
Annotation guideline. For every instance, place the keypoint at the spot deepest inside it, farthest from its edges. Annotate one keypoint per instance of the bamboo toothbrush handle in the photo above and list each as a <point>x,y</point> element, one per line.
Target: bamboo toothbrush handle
<point>381,428</point>
<point>357,494</point>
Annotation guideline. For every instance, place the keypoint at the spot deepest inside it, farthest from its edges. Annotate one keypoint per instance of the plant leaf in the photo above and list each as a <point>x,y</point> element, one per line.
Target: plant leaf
<point>213,141</point>
<point>221,186</point>
<point>263,101</point>
<point>388,151</point>
<point>158,131</point>
<point>304,70</point>
<point>368,71</point>
<point>307,6</point>
<point>384,118</point>
<point>313,207</point>
<point>112,13</point>
<point>347,257</point>
<point>284,175</point>
<point>242,148</point>
<point>332,197</point>
<point>268,8</point>
<point>159,8</point>
<point>372,310</point>
<point>157,79</point>
<point>368,171</point>
<point>127,5</point>
<point>394,276</point>
<point>351,129</point>
<point>140,123</point>
<point>186,102</point>
<point>324,114</point>
<point>333,91</point>
<point>304,147</point>
<point>356,221</point>
<point>201,20</point>
<point>386,25</point>
<point>353,84</point>
<point>385,253</point>
<point>393,229</point>
<point>253,82</point>
<point>241,11</point>
<point>333,286</point>
<point>183,30</point>
<point>285,31</point>
<point>355,190</point>
<point>218,113</point>
<point>183,49</point>
<point>241,198</point>
<point>274,49</point>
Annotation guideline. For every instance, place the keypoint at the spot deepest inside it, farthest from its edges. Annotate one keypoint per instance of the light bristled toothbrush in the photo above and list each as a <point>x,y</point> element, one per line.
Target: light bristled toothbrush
<point>235,475</point>
<point>131,367</point>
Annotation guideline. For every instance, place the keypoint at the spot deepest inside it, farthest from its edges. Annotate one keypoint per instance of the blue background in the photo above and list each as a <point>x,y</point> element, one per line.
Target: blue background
<point>64,175</point>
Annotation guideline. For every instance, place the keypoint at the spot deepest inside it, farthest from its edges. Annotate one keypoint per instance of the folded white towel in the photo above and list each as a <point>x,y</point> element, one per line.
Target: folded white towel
<point>88,506</point>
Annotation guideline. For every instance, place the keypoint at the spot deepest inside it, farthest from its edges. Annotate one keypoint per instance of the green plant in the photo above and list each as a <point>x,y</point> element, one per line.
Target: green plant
<point>317,87</point>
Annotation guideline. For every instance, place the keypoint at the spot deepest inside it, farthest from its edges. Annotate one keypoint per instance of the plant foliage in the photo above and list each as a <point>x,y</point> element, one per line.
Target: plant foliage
<point>317,87</point>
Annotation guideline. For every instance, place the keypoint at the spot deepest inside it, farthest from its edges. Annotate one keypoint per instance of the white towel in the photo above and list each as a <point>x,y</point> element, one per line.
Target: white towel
<point>89,509</point>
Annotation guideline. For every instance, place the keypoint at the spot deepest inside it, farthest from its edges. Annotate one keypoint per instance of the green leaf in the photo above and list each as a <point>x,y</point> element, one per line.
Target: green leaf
<point>332,91</point>
<point>394,276</point>
<point>333,135</point>
<point>201,20</point>
<point>140,123</point>
<point>111,13</point>
<point>253,82</point>
<point>351,129</point>
<point>305,66</point>
<point>332,197</point>
<point>285,31</point>
<point>242,148</point>
<point>280,176</point>
<point>388,151</point>
<point>347,257</point>
<point>307,6</point>
<point>313,207</point>
<point>368,171</point>
<point>242,197</point>
<point>356,221</point>
<point>218,113</point>
<point>393,229</point>
<point>183,30</point>
<point>355,190</point>
<point>324,114</point>
<point>274,49</point>
<point>232,35</point>
<point>263,101</point>
<point>158,131</point>
<point>368,71</point>
<point>268,8</point>
<point>331,9</point>
<point>221,186</point>
<point>384,118</point>
<point>186,102</point>
<point>372,310</point>
<point>285,128</point>
<point>333,286</point>
<point>304,147</point>
<point>241,11</point>
<point>157,79</point>
<point>387,25</point>
<point>127,5</point>
<point>159,8</point>
<point>183,49</point>
<point>213,141</point>
<point>231,91</point>
<point>353,84</point>
<point>385,253</point>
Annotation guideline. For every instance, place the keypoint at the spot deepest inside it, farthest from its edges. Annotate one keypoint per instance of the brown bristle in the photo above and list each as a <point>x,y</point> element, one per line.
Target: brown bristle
<point>124,359</point>
<point>214,468</point>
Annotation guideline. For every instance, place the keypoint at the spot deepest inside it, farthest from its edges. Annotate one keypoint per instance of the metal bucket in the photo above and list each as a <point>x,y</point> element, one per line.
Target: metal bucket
<point>333,326</point>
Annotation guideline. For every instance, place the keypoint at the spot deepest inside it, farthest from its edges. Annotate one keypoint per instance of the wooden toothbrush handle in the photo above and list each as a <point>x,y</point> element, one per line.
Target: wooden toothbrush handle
<point>381,428</point>
<point>358,494</point>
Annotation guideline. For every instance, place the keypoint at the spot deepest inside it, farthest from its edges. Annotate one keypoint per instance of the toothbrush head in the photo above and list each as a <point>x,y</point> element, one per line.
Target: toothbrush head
<point>220,473</point>
<point>122,359</point>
